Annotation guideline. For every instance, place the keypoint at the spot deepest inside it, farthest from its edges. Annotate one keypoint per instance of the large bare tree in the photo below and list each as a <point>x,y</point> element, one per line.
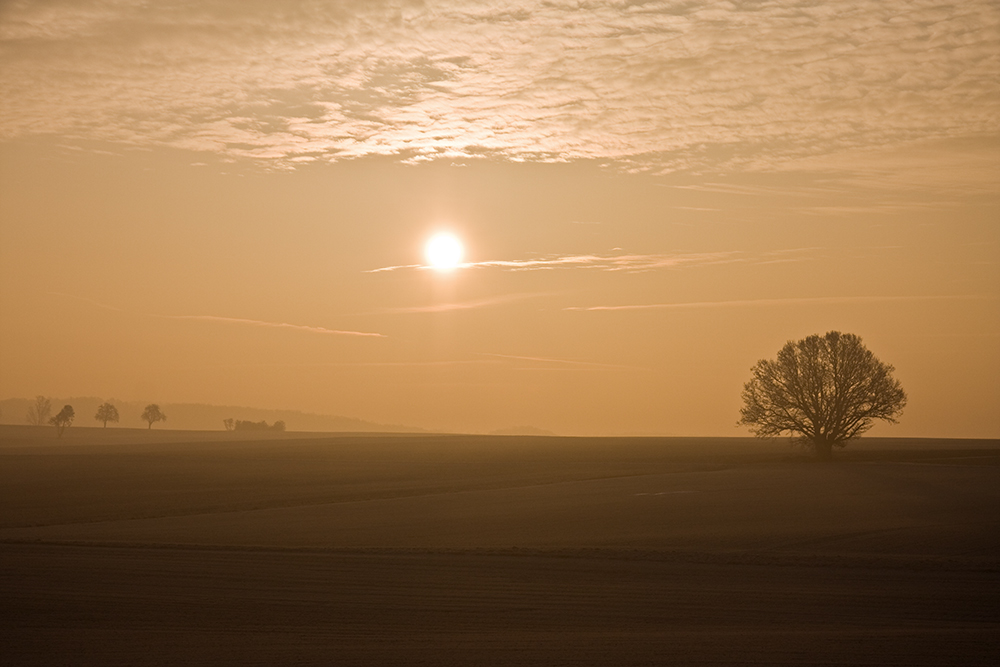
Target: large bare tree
<point>39,411</point>
<point>827,389</point>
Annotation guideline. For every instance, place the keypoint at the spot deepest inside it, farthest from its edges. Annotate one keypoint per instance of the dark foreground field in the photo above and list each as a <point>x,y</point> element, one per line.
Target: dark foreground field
<point>134,548</point>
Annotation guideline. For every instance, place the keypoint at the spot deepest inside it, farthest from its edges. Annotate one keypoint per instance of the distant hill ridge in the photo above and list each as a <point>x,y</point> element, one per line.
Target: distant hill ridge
<point>195,416</point>
<point>523,430</point>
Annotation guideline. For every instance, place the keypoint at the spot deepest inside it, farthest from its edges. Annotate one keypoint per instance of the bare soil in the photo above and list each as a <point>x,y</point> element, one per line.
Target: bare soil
<point>193,548</point>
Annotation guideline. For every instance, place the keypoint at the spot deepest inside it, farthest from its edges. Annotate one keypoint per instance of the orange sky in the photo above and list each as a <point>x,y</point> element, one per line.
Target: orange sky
<point>211,205</point>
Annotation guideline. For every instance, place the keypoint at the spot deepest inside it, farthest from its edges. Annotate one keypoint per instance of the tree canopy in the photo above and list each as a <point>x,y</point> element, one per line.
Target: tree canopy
<point>827,389</point>
<point>63,420</point>
<point>107,413</point>
<point>247,425</point>
<point>152,414</point>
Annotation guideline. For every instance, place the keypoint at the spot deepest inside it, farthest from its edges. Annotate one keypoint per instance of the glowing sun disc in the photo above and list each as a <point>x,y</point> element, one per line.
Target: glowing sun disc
<point>443,251</point>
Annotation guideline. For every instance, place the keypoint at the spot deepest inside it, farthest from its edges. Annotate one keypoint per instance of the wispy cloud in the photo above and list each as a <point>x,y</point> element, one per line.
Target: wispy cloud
<point>632,262</point>
<point>86,300</point>
<point>230,320</point>
<point>803,301</point>
<point>758,190</point>
<point>444,363</point>
<point>274,325</point>
<point>659,85</point>
<point>467,305</point>
<point>565,362</point>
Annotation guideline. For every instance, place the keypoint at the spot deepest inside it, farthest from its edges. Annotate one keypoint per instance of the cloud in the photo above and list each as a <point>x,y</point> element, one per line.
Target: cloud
<point>231,320</point>
<point>577,365</point>
<point>804,301</point>
<point>275,325</point>
<point>660,85</point>
<point>629,263</point>
<point>86,300</point>
<point>398,364</point>
<point>467,305</point>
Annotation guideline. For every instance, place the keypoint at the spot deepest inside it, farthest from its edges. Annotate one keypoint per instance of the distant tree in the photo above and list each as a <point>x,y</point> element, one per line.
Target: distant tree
<point>152,414</point>
<point>39,411</point>
<point>827,389</point>
<point>107,413</point>
<point>63,420</point>
<point>247,425</point>
<point>228,423</point>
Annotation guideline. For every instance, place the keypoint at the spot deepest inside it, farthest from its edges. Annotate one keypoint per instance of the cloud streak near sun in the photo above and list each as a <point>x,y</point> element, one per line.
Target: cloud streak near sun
<point>662,85</point>
<point>580,365</point>
<point>626,262</point>
<point>466,305</point>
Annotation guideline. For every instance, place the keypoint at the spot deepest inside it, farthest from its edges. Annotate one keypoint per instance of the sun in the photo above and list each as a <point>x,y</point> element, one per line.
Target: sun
<point>443,251</point>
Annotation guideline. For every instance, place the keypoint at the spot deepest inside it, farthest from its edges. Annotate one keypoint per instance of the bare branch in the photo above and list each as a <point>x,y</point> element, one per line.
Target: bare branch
<point>827,389</point>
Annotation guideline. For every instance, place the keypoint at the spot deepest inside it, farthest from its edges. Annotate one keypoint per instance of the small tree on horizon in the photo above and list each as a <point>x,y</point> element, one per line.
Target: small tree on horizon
<point>247,425</point>
<point>63,420</point>
<point>39,411</point>
<point>107,413</point>
<point>152,414</point>
<point>827,389</point>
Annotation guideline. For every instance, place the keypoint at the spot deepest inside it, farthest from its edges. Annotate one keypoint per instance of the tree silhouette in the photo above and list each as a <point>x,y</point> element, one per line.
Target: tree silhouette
<point>107,413</point>
<point>247,425</point>
<point>827,389</point>
<point>152,414</point>
<point>63,420</point>
<point>39,411</point>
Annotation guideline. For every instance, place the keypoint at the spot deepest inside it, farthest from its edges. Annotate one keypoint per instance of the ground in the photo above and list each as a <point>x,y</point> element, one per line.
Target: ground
<point>126,547</point>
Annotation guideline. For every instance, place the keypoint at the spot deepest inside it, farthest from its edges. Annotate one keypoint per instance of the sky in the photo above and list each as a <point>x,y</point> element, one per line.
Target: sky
<point>227,202</point>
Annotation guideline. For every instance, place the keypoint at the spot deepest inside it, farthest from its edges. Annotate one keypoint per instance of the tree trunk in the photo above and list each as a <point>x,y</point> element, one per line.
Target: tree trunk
<point>824,450</point>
